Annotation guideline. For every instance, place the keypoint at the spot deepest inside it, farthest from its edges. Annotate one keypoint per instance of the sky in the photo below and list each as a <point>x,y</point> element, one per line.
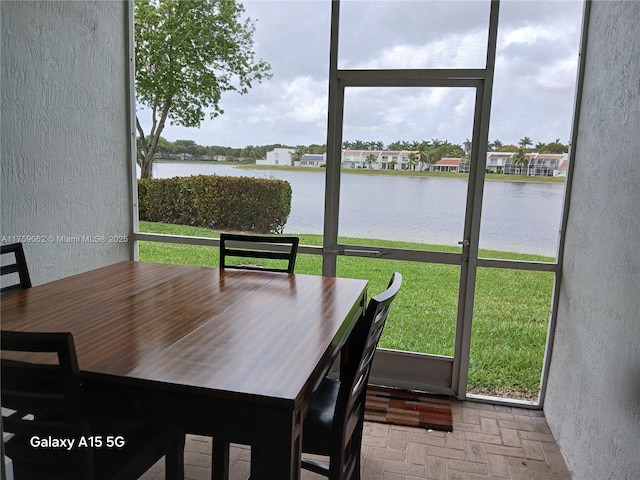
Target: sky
<point>534,81</point>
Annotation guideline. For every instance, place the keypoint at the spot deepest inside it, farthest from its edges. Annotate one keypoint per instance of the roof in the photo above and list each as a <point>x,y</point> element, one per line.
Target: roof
<point>449,161</point>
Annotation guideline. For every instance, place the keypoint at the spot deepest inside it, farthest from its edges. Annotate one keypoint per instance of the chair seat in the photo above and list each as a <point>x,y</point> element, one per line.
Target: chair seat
<point>110,462</point>
<point>318,424</point>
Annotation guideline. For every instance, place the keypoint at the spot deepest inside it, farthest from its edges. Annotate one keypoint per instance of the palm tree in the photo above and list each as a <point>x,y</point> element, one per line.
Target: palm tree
<point>495,145</point>
<point>370,159</point>
<point>413,161</point>
<point>467,146</point>
<point>525,142</point>
<point>520,160</point>
<point>423,153</point>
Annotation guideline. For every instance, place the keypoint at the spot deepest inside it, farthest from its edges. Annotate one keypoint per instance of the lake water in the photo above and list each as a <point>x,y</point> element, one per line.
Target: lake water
<point>517,216</point>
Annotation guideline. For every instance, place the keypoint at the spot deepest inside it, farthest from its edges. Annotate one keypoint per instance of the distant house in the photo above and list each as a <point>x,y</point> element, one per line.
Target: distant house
<point>356,158</point>
<point>377,159</point>
<point>277,156</point>
<point>561,171</point>
<point>539,165</point>
<point>313,160</point>
<point>496,161</point>
<point>446,165</point>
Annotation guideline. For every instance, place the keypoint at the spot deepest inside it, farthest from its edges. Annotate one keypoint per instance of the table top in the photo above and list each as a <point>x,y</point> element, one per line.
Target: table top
<point>247,333</point>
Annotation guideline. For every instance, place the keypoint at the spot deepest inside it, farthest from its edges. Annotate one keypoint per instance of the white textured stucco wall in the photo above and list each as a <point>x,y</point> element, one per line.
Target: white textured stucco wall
<point>593,397</point>
<point>64,143</point>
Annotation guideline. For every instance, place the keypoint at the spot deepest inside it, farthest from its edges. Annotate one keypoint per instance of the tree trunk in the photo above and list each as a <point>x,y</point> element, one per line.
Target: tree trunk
<point>146,169</point>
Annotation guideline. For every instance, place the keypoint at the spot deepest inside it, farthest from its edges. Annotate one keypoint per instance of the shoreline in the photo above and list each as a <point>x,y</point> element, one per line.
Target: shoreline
<point>353,171</point>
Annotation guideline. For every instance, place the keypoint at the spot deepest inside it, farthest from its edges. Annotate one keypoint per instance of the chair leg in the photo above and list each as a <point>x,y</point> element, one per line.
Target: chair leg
<point>174,459</point>
<point>220,455</point>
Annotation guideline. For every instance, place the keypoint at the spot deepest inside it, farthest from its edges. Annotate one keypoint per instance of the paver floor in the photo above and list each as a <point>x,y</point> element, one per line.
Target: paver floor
<point>487,442</point>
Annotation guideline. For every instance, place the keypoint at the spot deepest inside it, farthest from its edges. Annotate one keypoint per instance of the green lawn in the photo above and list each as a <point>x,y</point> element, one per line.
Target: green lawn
<point>511,309</point>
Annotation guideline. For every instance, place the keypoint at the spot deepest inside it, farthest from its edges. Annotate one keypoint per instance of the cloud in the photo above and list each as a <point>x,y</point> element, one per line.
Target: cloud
<point>533,90</point>
<point>305,100</point>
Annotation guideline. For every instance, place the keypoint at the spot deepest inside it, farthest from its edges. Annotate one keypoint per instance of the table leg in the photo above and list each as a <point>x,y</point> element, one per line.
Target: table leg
<point>276,455</point>
<point>220,466</point>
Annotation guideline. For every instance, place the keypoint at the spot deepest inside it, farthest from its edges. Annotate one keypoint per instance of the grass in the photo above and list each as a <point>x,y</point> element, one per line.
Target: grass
<point>511,308</point>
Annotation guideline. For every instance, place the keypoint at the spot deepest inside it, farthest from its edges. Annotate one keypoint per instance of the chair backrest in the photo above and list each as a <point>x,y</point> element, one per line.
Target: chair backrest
<point>248,247</point>
<point>12,266</point>
<point>349,413</point>
<point>44,399</point>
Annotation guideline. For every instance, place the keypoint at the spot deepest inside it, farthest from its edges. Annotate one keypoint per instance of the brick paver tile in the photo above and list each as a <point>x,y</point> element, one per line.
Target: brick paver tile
<point>468,467</point>
<point>197,459</point>
<point>470,415</point>
<point>506,451</point>
<point>192,472</point>
<point>468,427</point>
<point>455,440</point>
<point>521,474</point>
<point>498,466</point>
<point>532,465</point>
<point>416,453</point>
<point>549,476</point>
<point>540,425</point>
<point>436,468</point>
<point>483,437</point>
<point>496,415</point>
<point>455,475</point>
<point>510,437</point>
<point>446,453</point>
<point>540,437</point>
<point>386,454</point>
<point>392,476</point>
<point>524,422</point>
<point>376,429</point>
<point>489,426</point>
<point>532,450</point>
<point>476,452</point>
<point>556,463</point>
<point>404,468</point>
<point>373,469</point>
<point>398,439</point>
<point>370,441</point>
<point>428,440</point>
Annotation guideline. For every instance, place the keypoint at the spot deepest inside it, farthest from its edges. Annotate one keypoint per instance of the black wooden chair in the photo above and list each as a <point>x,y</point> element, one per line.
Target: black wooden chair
<point>247,247</point>
<point>333,424</point>
<point>42,401</point>
<point>17,265</point>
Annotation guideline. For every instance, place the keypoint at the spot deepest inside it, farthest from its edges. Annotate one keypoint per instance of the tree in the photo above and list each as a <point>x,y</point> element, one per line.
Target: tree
<point>370,159</point>
<point>425,153</point>
<point>525,142</point>
<point>252,153</point>
<point>554,147</point>
<point>298,153</point>
<point>188,53</point>
<point>375,145</point>
<point>412,161</point>
<point>466,146</point>
<point>495,145</point>
<point>520,160</point>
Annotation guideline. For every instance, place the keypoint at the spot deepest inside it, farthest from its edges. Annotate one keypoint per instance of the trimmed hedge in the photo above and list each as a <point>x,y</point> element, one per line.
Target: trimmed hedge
<point>222,203</point>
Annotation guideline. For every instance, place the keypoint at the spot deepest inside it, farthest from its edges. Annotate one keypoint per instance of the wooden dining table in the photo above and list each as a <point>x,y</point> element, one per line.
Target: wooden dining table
<point>212,352</point>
